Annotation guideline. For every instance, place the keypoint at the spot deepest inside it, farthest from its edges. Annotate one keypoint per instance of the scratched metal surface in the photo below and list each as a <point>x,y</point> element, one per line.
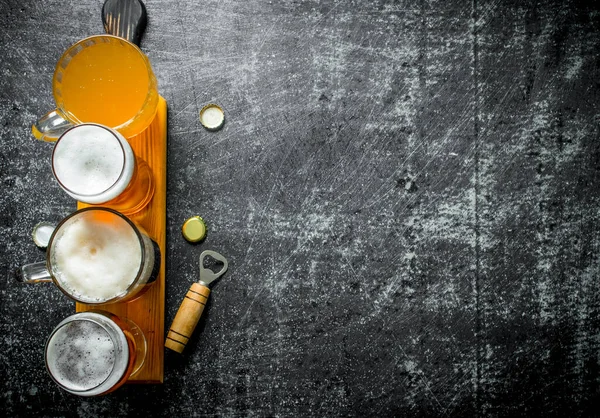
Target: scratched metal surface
<point>407,193</point>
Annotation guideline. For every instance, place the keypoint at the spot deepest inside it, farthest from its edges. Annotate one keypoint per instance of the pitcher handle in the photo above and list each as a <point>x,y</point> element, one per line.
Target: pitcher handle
<point>33,273</point>
<point>50,126</point>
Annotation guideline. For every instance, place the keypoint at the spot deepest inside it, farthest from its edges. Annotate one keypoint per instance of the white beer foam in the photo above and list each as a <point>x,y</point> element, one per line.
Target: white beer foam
<point>81,355</point>
<point>96,259</point>
<point>93,164</point>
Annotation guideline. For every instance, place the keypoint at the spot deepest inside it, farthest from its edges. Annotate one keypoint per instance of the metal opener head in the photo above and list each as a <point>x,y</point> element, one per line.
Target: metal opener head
<point>207,276</point>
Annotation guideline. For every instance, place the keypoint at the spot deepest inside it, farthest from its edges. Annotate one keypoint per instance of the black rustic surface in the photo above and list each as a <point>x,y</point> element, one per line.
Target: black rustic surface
<point>407,192</point>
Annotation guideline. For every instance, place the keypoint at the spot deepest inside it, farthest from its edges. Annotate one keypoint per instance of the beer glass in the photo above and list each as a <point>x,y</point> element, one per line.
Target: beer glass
<point>102,79</point>
<point>96,165</point>
<point>97,255</point>
<point>93,353</point>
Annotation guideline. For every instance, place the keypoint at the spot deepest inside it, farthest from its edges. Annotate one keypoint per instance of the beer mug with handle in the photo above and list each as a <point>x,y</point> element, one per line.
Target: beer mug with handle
<point>93,353</point>
<point>97,255</point>
<point>96,165</point>
<point>101,79</point>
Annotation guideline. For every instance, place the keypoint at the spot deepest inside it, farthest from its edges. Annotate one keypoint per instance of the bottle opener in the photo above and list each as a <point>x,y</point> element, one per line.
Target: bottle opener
<point>191,308</point>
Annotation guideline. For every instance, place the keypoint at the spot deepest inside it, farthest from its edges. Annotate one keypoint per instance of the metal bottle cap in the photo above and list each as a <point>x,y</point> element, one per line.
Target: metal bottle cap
<point>194,229</point>
<point>212,117</point>
<point>41,233</point>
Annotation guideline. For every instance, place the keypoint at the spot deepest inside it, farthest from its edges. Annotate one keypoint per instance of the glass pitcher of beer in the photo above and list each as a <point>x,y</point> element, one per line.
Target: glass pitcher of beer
<point>101,79</point>
<point>93,353</point>
<point>96,165</point>
<point>95,256</point>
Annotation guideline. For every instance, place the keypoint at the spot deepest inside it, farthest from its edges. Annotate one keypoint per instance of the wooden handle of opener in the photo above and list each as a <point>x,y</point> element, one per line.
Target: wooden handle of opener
<point>187,317</point>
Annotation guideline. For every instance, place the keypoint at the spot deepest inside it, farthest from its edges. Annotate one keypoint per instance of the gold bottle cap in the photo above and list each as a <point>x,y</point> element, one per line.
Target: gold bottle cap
<point>41,233</point>
<point>212,117</point>
<point>194,229</point>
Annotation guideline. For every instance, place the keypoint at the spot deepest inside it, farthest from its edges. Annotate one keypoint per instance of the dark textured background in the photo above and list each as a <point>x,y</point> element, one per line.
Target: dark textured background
<point>407,192</point>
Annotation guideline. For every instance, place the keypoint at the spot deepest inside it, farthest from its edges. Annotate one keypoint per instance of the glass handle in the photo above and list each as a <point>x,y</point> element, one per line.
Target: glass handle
<point>33,273</point>
<point>50,126</point>
<point>125,18</point>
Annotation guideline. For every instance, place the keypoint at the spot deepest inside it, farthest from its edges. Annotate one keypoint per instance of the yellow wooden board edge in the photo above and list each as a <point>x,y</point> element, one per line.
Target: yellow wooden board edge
<point>148,310</point>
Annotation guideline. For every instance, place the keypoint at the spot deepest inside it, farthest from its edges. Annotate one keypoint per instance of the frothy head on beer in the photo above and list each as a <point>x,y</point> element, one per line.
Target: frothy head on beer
<point>87,354</point>
<point>80,355</point>
<point>95,255</point>
<point>92,163</point>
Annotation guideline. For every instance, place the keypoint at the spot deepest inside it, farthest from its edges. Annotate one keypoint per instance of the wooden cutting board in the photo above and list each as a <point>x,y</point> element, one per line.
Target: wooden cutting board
<point>148,310</point>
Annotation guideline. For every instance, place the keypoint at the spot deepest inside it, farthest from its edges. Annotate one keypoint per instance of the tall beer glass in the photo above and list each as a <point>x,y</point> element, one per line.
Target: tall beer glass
<point>95,256</point>
<point>93,353</point>
<point>101,79</point>
<point>96,165</point>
